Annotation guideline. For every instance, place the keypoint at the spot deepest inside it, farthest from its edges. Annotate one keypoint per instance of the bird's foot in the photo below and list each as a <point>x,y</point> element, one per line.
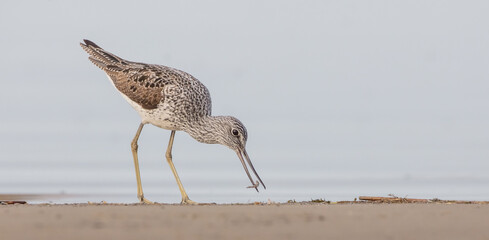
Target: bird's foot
<point>187,201</point>
<point>143,200</point>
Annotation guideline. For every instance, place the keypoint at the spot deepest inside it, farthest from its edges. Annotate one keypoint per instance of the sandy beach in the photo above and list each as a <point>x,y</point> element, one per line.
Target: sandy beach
<point>272,221</point>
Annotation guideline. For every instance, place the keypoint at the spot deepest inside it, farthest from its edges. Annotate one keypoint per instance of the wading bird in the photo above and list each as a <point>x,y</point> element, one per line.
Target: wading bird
<point>174,100</point>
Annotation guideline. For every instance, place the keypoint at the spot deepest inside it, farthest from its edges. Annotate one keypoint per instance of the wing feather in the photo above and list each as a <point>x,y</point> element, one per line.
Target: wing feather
<point>142,83</point>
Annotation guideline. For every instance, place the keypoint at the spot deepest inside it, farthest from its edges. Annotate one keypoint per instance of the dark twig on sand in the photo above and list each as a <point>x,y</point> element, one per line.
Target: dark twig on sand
<point>12,202</point>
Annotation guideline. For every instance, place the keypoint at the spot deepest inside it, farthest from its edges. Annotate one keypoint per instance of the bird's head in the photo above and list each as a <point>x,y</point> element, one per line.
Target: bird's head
<point>233,134</point>
<point>228,131</point>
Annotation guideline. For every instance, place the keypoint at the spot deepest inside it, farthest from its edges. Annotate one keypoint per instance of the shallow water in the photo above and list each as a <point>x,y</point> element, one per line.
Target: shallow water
<point>84,184</point>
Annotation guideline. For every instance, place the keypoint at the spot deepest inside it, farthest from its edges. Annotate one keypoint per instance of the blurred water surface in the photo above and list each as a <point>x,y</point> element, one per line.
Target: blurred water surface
<point>340,99</point>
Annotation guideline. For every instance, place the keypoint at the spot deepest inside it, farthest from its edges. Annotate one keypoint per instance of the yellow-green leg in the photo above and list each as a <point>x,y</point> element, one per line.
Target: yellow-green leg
<point>134,148</point>
<point>185,199</point>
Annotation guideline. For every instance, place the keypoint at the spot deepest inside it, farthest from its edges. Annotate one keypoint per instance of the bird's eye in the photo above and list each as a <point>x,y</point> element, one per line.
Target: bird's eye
<point>235,132</point>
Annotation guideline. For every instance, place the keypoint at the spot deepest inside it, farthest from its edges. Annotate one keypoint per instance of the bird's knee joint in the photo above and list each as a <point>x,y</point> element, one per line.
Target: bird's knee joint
<point>168,156</point>
<point>134,145</point>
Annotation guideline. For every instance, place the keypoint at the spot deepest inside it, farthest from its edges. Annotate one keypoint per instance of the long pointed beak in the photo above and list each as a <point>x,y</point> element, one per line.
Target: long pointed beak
<point>254,184</point>
<point>253,168</point>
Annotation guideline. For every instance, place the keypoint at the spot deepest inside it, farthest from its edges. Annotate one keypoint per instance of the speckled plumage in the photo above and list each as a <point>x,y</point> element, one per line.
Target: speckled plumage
<point>171,99</point>
<point>163,96</point>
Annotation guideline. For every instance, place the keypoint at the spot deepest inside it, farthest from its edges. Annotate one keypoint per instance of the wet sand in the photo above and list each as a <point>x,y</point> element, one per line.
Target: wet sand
<point>275,221</point>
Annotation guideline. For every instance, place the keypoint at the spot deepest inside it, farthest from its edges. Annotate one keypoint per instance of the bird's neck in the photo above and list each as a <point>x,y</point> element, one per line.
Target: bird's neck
<point>206,129</point>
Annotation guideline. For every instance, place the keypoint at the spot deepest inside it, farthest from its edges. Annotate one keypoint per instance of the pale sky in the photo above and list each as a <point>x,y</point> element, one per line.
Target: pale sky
<point>326,89</point>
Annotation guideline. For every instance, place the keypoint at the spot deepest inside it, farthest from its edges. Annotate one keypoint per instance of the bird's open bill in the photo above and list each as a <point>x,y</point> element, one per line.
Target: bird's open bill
<point>254,184</point>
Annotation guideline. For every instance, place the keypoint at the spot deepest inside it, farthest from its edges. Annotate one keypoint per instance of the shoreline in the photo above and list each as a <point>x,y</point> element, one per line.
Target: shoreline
<point>245,221</point>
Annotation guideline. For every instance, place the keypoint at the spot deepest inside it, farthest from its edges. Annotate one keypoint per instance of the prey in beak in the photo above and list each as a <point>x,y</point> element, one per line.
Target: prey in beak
<point>254,185</point>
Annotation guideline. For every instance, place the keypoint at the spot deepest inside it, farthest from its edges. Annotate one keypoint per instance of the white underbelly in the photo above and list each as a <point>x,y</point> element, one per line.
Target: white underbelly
<point>157,116</point>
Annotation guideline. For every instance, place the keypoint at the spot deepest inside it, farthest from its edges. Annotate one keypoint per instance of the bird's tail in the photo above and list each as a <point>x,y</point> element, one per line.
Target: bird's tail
<point>101,58</point>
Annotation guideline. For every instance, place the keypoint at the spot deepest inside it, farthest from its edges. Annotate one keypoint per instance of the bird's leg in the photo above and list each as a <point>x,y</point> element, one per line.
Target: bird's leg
<point>185,199</point>
<point>134,148</point>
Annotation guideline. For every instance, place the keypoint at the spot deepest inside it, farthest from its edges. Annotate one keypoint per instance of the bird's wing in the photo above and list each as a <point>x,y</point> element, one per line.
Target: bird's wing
<point>142,83</point>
